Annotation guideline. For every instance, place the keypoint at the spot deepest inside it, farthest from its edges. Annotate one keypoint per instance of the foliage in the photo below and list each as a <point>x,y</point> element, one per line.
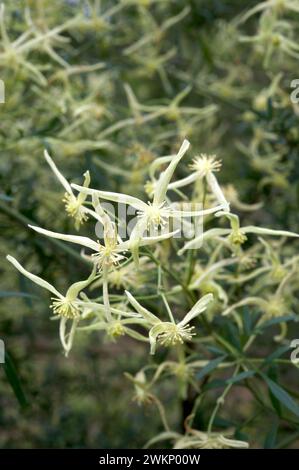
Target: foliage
<point>201,327</point>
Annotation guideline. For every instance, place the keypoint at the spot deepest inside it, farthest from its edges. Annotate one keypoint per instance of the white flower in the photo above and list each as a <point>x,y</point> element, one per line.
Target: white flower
<point>103,255</point>
<point>170,333</point>
<point>204,166</point>
<point>236,234</point>
<point>65,307</point>
<point>200,440</point>
<point>108,254</point>
<point>156,213</point>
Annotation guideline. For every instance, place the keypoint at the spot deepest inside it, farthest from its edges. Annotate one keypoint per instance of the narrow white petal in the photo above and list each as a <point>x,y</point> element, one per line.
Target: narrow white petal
<point>183,182</point>
<point>198,308</point>
<point>268,231</point>
<point>76,288</point>
<point>197,241</point>
<point>36,279</point>
<point>217,191</point>
<point>150,317</point>
<point>93,214</point>
<point>165,177</point>
<point>62,334</point>
<point>84,241</point>
<point>115,197</point>
<point>183,213</point>
<point>59,176</point>
<point>246,301</point>
<point>153,340</point>
<point>151,240</point>
<point>71,337</point>
<point>136,239</point>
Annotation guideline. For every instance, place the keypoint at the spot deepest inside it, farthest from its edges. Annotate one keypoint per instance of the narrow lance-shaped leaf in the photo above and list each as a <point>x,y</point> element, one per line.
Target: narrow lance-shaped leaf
<point>282,395</point>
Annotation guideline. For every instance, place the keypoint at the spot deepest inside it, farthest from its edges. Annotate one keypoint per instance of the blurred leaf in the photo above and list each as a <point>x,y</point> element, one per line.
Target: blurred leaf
<point>282,396</point>
<point>271,436</point>
<point>3,197</point>
<point>210,367</point>
<point>278,353</point>
<point>243,375</point>
<point>276,321</point>
<point>217,383</point>
<point>5,294</point>
<point>14,380</point>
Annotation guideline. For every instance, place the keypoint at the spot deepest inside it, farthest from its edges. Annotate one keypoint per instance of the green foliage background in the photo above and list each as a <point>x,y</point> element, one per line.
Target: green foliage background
<point>84,118</point>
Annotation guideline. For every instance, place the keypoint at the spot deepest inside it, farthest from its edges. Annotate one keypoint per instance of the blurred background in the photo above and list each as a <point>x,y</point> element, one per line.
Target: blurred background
<point>109,86</point>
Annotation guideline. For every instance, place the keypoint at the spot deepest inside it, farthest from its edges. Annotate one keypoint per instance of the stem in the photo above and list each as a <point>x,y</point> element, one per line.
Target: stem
<point>220,400</point>
<point>106,294</point>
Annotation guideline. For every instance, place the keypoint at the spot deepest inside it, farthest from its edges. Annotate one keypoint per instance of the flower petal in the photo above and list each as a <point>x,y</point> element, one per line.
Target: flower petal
<point>217,191</point>
<point>184,181</point>
<point>150,317</point>
<point>165,177</point>
<point>197,241</point>
<point>84,241</point>
<point>75,289</point>
<point>268,231</point>
<point>198,308</point>
<point>36,279</point>
<point>59,176</point>
<point>115,197</point>
<point>183,213</point>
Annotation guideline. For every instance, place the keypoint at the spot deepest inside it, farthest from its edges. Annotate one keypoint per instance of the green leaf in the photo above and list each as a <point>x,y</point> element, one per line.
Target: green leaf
<point>281,395</point>
<point>275,321</point>
<point>5,294</point>
<point>217,383</point>
<point>3,197</point>
<point>13,379</point>
<point>278,353</point>
<point>213,364</point>
<point>247,320</point>
<point>271,436</point>
<point>272,375</point>
<point>243,375</point>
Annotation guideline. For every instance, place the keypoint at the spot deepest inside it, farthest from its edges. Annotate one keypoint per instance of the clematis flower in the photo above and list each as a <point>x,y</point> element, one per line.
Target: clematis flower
<point>14,52</point>
<point>105,255</point>
<point>170,333</point>
<point>236,234</point>
<point>201,440</point>
<point>157,212</point>
<point>65,307</point>
<point>204,166</point>
<point>195,439</point>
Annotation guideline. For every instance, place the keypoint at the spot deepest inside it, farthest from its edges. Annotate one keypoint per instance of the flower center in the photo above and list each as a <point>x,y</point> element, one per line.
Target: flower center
<point>205,164</point>
<point>175,334</point>
<point>74,208</point>
<point>155,215</point>
<point>107,256</point>
<point>65,308</point>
